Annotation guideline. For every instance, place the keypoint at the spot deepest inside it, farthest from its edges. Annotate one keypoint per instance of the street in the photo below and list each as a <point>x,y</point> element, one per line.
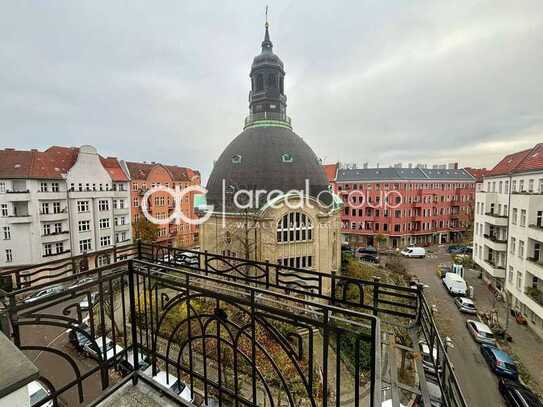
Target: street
<point>479,384</point>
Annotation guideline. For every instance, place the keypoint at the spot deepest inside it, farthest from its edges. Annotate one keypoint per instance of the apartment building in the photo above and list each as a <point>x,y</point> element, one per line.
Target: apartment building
<point>161,205</point>
<point>60,202</point>
<point>404,205</point>
<point>508,231</point>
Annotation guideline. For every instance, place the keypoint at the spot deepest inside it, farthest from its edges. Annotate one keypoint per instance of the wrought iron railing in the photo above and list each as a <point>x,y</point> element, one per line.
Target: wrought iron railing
<point>203,318</point>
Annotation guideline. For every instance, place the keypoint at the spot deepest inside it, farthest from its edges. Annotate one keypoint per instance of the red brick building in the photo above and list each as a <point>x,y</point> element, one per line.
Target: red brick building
<point>404,205</point>
<point>144,176</point>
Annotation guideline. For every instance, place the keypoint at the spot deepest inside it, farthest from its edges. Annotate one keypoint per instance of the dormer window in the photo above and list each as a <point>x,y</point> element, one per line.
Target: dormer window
<point>236,159</point>
<point>287,158</point>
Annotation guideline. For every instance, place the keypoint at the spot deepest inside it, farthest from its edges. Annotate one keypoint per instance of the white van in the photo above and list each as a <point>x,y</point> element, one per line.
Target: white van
<point>455,284</point>
<point>413,252</point>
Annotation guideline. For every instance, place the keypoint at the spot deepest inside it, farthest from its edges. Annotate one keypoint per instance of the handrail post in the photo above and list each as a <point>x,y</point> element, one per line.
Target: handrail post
<point>134,332</point>
<point>333,294</point>
<point>206,266</point>
<point>139,249</point>
<point>376,281</point>
<point>267,274</point>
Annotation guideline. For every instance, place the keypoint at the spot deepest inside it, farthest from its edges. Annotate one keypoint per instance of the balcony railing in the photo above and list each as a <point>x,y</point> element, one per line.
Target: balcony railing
<point>495,215</point>
<point>494,238</point>
<point>256,117</point>
<point>245,332</point>
<point>535,294</point>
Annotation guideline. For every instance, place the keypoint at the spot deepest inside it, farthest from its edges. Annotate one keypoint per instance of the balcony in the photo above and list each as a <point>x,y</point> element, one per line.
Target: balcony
<point>535,232</point>
<point>55,237</point>
<point>494,243</point>
<point>492,268</point>
<point>51,216</point>
<point>18,195</point>
<point>52,195</point>
<point>535,267</point>
<point>219,317</point>
<point>121,211</point>
<point>19,219</point>
<point>55,254</point>
<point>535,294</point>
<point>495,219</point>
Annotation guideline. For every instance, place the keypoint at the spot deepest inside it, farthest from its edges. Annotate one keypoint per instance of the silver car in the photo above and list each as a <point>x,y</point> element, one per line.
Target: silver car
<point>480,332</point>
<point>43,293</point>
<point>465,305</point>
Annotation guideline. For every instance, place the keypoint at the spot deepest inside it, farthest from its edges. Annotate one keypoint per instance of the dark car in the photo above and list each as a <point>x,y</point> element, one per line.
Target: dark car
<point>516,395</point>
<point>499,362</point>
<point>368,254</point>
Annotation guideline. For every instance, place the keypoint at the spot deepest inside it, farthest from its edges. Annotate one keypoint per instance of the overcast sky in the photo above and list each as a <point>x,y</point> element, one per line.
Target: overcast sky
<point>377,81</point>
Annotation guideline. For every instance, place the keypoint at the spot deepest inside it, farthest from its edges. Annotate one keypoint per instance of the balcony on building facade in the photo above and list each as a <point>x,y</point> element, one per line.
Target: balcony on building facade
<point>56,253</point>
<point>495,219</point>
<point>53,216</point>
<point>535,294</point>
<point>494,243</point>
<point>18,219</point>
<point>18,195</point>
<point>534,266</point>
<point>275,342</point>
<point>493,268</point>
<point>52,195</point>
<point>55,236</point>
<point>535,232</point>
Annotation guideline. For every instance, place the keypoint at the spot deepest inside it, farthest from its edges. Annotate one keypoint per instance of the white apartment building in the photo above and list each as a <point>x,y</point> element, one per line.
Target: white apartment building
<point>508,231</point>
<point>60,202</point>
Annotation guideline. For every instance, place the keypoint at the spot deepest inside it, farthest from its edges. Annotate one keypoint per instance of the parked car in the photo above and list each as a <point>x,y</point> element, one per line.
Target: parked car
<point>465,305</point>
<point>434,391</point>
<point>517,395</point>
<point>172,383</point>
<point>77,339</point>
<point>43,293</point>
<point>480,332</point>
<point>413,252</point>
<point>94,349</point>
<point>126,366</point>
<point>37,392</point>
<point>427,362</point>
<point>368,254</point>
<point>455,284</point>
<point>499,362</point>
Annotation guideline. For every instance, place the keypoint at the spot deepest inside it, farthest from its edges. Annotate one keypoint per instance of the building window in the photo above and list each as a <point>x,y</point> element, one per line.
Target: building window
<point>105,241</point>
<point>9,256</point>
<point>514,217</point>
<point>55,187</point>
<point>103,205</point>
<point>236,159</point>
<point>2,187</point>
<point>287,158</point>
<point>104,223</point>
<point>47,249</point>
<point>46,229</point>
<point>43,186</point>
<point>521,249</point>
<point>7,233</point>
<point>513,244</point>
<point>44,208</point>
<point>82,206</point>
<point>523,217</point>
<point>519,280</point>
<point>84,245</point>
<point>259,82</point>
<point>272,81</point>
<point>56,207</point>
<point>103,260</point>
<point>4,210</point>
<point>58,228</point>
<point>59,248</point>
<point>303,262</point>
<point>135,203</point>
<point>294,227</point>
<point>511,273</point>
<point>84,225</point>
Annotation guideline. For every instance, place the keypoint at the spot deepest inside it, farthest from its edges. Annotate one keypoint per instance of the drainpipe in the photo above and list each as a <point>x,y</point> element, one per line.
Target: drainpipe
<point>507,296</point>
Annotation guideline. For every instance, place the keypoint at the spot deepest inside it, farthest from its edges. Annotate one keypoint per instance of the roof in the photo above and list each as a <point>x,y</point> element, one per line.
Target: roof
<point>266,159</point>
<point>402,174</point>
<point>330,170</point>
<point>521,161</point>
<point>141,171</point>
<point>477,173</point>
<point>53,163</point>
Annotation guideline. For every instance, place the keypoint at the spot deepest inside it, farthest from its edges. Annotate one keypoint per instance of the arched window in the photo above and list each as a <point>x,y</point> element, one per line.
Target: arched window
<point>272,81</point>
<point>294,227</point>
<point>259,82</point>
<point>281,85</point>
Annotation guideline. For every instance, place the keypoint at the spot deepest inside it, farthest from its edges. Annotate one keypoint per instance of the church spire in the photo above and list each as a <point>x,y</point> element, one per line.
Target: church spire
<point>267,44</point>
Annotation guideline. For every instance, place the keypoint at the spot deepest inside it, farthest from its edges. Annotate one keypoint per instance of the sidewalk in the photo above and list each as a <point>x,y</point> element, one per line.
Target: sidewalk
<point>526,346</point>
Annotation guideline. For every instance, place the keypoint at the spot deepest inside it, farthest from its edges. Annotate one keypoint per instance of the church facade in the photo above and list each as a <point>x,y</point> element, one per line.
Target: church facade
<point>269,195</point>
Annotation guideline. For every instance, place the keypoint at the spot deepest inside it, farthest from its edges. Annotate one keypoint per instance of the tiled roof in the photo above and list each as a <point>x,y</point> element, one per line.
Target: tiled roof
<point>141,171</point>
<point>330,170</point>
<point>52,163</point>
<point>401,174</point>
<point>522,161</point>
<point>477,173</point>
